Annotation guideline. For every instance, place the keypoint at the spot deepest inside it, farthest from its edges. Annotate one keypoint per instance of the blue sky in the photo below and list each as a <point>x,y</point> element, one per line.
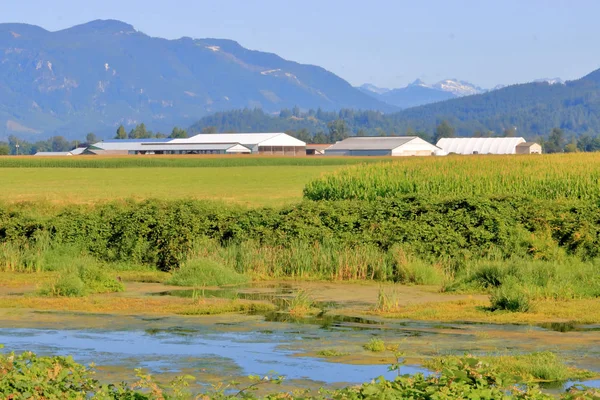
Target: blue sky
<point>386,42</point>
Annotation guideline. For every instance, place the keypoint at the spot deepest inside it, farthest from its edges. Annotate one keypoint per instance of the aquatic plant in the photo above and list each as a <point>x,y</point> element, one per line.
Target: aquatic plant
<point>332,353</point>
<point>531,367</point>
<point>301,304</point>
<point>387,300</point>
<point>375,345</point>
<point>27,376</point>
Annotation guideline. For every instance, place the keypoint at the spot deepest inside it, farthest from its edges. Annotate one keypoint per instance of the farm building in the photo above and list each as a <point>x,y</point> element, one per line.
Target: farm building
<point>53,153</point>
<point>219,143</point>
<point>316,149</point>
<point>529,148</point>
<point>504,145</point>
<point>383,146</point>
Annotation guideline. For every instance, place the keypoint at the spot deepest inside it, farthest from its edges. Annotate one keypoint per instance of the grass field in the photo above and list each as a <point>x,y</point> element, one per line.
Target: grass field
<point>178,161</point>
<point>253,186</point>
<point>252,181</point>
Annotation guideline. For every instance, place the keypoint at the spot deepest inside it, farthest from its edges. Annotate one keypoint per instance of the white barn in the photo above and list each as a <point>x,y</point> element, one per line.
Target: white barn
<point>259,143</point>
<point>503,145</point>
<point>383,146</point>
<point>218,143</point>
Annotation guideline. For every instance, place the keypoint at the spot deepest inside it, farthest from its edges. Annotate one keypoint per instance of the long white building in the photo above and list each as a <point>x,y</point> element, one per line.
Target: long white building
<point>504,145</point>
<point>217,143</point>
<point>383,146</point>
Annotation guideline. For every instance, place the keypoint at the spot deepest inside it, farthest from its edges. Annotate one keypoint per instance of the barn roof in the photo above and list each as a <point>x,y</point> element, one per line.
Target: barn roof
<point>246,139</point>
<point>372,143</point>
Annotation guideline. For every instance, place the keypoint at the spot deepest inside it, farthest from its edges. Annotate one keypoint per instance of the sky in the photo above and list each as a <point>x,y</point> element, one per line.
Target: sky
<point>389,43</point>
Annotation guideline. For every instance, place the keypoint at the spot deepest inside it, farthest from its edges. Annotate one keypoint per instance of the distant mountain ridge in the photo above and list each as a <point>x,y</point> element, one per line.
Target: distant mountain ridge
<point>420,93</point>
<point>530,110</point>
<point>95,76</point>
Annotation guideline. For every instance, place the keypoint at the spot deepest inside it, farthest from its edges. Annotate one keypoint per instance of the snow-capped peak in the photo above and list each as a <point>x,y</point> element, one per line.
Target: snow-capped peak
<point>419,82</point>
<point>551,81</point>
<point>458,88</point>
<point>375,89</point>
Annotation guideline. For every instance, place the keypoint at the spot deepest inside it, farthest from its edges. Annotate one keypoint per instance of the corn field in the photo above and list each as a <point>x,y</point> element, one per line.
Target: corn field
<point>549,177</point>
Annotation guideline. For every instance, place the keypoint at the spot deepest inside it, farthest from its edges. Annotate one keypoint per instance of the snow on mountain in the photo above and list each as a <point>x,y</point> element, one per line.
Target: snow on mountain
<point>551,81</point>
<point>367,87</point>
<point>458,88</point>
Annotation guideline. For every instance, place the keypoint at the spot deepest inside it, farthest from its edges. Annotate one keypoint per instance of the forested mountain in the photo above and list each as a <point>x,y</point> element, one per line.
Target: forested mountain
<point>528,110</point>
<point>96,76</point>
<point>532,108</point>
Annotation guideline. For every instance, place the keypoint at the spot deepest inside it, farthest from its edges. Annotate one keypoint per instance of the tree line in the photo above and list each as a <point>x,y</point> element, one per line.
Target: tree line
<point>312,126</point>
<point>16,146</point>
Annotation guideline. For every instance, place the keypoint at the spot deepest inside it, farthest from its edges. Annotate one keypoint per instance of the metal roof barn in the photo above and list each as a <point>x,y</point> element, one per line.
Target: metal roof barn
<point>383,146</point>
<point>53,153</point>
<point>261,143</point>
<point>480,145</point>
<point>219,143</point>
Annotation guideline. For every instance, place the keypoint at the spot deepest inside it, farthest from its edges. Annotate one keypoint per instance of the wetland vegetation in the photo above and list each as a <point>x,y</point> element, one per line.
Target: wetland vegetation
<point>503,240</point>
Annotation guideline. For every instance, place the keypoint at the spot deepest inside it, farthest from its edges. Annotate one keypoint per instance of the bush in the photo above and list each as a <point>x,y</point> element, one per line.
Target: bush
<point>511,297</point>
<point>80,277</point>
<point>205,272</point>
<point>375,345</point>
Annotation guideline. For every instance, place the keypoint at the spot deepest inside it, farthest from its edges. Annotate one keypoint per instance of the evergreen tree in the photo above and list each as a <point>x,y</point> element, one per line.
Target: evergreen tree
<point>121,133</point>
<point>178,133</point>
<point>443,130</point>
<point>91,138</point>
<point>555,142</point>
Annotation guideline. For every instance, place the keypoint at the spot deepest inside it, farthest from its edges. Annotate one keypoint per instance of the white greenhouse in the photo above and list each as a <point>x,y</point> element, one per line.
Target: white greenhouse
<point>504,145</point>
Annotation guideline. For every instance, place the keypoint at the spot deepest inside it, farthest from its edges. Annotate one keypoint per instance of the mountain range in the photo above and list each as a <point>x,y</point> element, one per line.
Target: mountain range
<point>530,110</point>
<point>419,93</point>
<point>96,76</point>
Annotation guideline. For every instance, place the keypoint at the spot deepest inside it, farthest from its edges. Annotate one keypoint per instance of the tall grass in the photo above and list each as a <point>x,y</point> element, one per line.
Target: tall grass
<point>537,279</point>
<point>552,177</point>
<point>79,275</point>
<point>205,272</point>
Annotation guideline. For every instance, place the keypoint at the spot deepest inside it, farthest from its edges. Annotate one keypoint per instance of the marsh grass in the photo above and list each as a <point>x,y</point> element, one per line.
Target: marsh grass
<point>533,367</point>
<point>582,311</point>
<point>332,353</point>
<point>515,284</point>
<point>375,345</point>
<point>205,272</point>
<point>301,304</point>
<point>387,301</point>
<point>78,275</point>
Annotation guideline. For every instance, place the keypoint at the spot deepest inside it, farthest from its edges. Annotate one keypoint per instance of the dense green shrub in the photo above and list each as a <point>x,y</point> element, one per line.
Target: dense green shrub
<point>336,240</point>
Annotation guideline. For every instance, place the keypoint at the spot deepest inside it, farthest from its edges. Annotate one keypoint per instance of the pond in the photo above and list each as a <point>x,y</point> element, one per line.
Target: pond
<point>226,347</point>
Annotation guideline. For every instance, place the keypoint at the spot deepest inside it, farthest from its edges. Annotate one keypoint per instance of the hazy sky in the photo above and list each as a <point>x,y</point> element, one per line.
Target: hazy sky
<point>386,42</point>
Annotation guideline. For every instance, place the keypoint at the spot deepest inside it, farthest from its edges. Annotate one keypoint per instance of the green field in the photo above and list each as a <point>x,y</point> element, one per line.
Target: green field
<point>252,181</point>
<point>254,186</point>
